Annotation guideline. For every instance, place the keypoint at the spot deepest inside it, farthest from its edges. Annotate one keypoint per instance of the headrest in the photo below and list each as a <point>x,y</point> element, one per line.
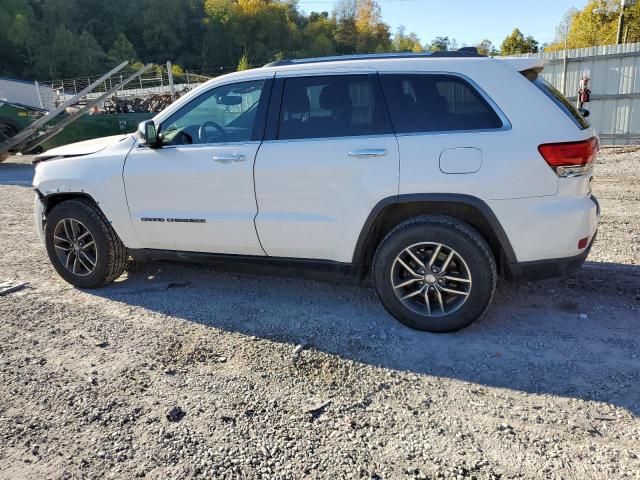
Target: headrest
<point>333,97</point>
<point>427,94</point>
<point>296,100</point>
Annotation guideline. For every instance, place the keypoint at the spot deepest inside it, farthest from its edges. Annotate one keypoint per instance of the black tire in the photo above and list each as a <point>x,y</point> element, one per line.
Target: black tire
<point>111,255</point>
<point>474,257</point>
<point>6,132</point>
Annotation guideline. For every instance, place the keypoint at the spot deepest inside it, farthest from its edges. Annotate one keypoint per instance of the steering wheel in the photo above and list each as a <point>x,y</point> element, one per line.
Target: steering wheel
<point>202,131</point>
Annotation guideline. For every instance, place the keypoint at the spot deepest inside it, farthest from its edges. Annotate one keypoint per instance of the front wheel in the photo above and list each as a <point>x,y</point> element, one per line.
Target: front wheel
<point>82,246</point>
<point>435,273</point>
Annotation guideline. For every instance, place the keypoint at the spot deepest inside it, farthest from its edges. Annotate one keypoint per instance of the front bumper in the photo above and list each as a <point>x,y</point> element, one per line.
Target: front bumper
<point>38,217</point>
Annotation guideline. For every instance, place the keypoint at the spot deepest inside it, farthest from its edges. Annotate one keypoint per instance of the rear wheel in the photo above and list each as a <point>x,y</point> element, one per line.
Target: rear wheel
<point>82,246</point>
<point>435,273</point>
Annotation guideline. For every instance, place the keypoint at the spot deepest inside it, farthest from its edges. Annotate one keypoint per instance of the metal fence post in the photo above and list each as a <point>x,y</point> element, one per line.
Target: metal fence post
<point>170,77</point>
<point>38,92</point>
<point>565,63</point>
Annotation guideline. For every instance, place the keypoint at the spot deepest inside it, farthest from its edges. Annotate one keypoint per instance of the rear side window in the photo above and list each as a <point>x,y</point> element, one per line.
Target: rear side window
<point>331,106</point>
<point>559,99</point>
<point>436,103</point>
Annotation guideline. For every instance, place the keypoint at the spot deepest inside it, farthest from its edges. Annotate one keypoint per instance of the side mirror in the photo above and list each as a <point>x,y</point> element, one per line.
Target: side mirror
<point>148,134</point>
<point>585,113</point>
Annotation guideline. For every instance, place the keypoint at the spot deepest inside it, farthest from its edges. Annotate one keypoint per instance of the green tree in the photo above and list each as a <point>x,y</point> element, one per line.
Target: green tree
<point>319,36</point>
<point>243,63</point>
<point>597,24</point>
<point>372,32</point>
<point>49,39</point>
<point>517,43</point>
<point>164,29</point>
<point>122,49</point>
<point>89,56</point>
<point>440,44</point>
<point>62,56</point>
<point>406,43</point>
<point>486,47</point>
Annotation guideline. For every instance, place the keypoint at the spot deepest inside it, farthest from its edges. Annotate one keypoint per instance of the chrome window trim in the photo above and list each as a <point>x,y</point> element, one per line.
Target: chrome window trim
<point>322,139</point>
<point>453,132</point>
<point>324,72</point>
<point>203,145</point>
<point>506,123</point>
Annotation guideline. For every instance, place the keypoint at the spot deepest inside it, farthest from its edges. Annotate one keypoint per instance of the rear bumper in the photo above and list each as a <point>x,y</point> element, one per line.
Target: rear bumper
<point>556,267</point>
<point>551,268</point>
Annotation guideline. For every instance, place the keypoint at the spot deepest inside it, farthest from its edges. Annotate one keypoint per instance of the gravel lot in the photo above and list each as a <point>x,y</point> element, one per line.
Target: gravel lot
<point>184,371</point>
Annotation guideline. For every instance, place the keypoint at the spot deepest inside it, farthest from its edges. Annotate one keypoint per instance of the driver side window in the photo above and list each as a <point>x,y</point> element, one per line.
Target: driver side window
<point>220,115</point>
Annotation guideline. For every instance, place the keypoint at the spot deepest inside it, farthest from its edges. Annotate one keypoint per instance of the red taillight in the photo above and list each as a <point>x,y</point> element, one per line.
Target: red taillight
<point>570,154</point>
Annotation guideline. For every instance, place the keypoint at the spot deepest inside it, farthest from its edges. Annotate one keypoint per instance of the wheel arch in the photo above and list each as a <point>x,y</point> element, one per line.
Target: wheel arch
<point>392,211</point>
<point>51,200</point>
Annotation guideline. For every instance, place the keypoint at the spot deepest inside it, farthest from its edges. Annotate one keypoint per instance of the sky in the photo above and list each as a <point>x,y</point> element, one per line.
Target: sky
<point>469,21</point>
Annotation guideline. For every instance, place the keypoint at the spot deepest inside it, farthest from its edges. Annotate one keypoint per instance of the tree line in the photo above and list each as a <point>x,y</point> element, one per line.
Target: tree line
<point>54,39</point>
<point>50,39</point>
<point>597,24</point>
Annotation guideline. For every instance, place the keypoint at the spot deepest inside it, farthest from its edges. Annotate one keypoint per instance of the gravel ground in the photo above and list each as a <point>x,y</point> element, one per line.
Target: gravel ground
<point>184,371</point>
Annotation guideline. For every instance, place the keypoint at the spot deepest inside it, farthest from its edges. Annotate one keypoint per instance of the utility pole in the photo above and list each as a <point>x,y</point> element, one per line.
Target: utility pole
<point>565,60</point>
<point>623,4</point>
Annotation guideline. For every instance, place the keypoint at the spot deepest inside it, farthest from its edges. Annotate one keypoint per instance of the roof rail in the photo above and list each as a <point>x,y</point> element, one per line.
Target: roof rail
<point>465,52</point>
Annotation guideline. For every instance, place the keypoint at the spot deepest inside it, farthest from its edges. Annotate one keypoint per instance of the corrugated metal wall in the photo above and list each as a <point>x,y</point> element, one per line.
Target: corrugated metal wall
<point>26,93</point>
<point>615,87</point>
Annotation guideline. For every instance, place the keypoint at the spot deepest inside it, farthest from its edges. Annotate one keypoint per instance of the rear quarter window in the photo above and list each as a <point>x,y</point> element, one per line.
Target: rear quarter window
<point>561,101</point>
<point>436,103</point>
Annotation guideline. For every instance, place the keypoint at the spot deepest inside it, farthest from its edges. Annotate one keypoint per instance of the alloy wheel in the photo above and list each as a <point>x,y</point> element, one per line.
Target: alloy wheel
<point>75,247</point>
<point>431,279</point>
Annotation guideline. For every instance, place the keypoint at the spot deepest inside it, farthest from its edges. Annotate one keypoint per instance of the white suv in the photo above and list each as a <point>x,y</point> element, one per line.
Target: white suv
<point>437,173</point>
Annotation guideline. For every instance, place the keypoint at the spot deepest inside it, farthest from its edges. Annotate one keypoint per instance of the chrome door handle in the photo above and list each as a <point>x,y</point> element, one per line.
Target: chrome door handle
<point>229,158</point>
<point>368,152</point>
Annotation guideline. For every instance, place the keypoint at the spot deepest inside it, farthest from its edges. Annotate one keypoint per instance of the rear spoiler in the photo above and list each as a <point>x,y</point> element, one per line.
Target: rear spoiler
<point>529,67</point>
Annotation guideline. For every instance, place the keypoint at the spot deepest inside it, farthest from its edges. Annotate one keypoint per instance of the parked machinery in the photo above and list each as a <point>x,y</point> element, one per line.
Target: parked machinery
<point>149,104</point>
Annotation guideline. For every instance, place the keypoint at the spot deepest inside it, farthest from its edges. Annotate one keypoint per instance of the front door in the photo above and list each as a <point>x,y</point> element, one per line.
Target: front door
<point>196,193</point>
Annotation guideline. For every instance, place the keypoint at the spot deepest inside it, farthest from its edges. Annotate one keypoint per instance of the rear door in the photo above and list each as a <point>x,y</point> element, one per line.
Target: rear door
<point>450,134</point>
<point>328,157</point>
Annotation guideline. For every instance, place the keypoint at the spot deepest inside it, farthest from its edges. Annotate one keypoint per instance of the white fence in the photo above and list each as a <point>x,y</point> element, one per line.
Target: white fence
<point>615,87</point>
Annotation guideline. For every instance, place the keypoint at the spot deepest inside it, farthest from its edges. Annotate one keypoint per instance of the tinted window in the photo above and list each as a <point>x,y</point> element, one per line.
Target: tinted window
<point>436,103</point>
<point>330,106</point>
<point>223,114</point>
<point>567,107</point>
